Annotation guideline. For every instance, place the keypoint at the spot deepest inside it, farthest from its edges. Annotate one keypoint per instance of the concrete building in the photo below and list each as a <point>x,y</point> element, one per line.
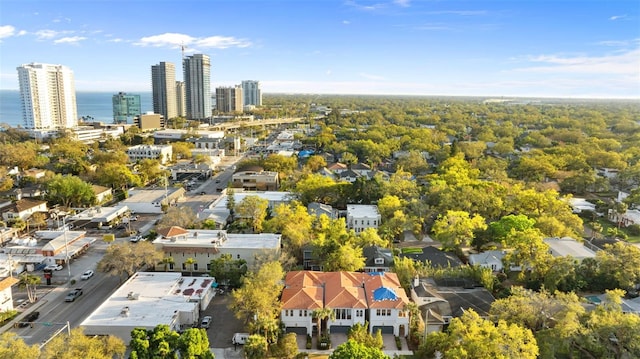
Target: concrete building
<point>159,152</point>
<point>149,299</point>
<point>149,121</point>
<point>219,212</point>
<point>567,246</point>
<point>252,93</point>
<point>6,297</point>
<point>168,135</point>
<point>361,217</point>
<point>125,107</point>
<point>197,79</point>
<point>181,98</point>
<point>96,132</point>
<point>255,178</point>
<point>163,85</point>
<point>206,245</point>
<point>229,99</point>
<point>48,97</point>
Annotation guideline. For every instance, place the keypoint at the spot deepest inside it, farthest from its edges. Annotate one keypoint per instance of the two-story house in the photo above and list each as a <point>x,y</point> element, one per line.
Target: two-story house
<point>354,297</point>
<point>361,217</point>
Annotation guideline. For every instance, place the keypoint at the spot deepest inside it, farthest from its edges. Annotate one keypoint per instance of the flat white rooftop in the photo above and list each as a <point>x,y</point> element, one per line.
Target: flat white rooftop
<point>567,246</point>
<point>148,299</point>
<point>362,211</point>
<point>209,238</point>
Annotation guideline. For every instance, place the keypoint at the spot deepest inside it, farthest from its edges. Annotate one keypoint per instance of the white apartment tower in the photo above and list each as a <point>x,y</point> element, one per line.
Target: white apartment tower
<point>252,93</point>
<point>163,84</point>
<point>48,96</point>
<point>197,80</point>
<point>181,98</point>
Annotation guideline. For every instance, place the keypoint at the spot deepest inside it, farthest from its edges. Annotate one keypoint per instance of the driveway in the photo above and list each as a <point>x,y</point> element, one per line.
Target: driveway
<point>223,323</point>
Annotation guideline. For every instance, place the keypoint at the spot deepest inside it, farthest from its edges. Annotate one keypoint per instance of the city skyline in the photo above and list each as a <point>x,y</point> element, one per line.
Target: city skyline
<point>564,49</point>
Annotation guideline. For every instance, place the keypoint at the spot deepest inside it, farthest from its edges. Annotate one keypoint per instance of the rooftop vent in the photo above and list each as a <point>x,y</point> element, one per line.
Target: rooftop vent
<point>124,312</point>
<point>133,296</point>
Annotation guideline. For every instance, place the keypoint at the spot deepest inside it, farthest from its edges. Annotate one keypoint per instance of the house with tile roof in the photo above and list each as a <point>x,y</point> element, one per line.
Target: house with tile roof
<point>355,297</point>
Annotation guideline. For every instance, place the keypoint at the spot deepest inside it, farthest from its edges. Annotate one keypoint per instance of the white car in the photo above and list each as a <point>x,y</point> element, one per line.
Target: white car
<point>206,322</point>
<point>86,275</point>
<point>135,239</point>
<point>53,267</point>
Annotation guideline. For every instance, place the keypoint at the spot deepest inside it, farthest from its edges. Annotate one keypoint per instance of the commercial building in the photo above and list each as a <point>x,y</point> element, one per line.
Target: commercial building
<point>149,299</point>
<point>163,83</point>
<point>252,93</point>
<point>48,97</point>
<point>161,153</point>
<point>149,121</point>
<point>203,246</point>
<point>152,200</point>
<point>197,79</point>
<point>125,107</point>
<point>255,178</point>
<point>229,99</point>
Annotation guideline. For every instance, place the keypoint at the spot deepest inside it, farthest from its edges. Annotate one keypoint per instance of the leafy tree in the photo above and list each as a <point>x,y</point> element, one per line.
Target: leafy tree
<point>256,347</point>
<point>30,282</point>
<point>178,216</point>
<point>70,191</point>
<point>23,155</point>
<point>320,315</point>
<point>351,349</point>
<point>181,150</point>
<point>509,225</point>
<point>167,261</point>
<point>124,259</point>
<point>228,270</point>
<point>294,223</point>
<point>281,164</point>
<point>189,263</point>
<point>194,344</point>
<point>346,257</point>
<point>315,163</point>
<point>78,345</point>
<point>6,182</point>
<point>116,175</point>
<point>14,347</point>
<point>150,170</point>
<point>360,333</point>
<point>470,337</point>
<point>456,229</point>
<point>286,348</point>
<point>619,264</point>
<point>253,209</point>
<point>259,295</point>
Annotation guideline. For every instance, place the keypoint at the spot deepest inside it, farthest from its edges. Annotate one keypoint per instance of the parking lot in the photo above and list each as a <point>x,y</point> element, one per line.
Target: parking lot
<point>223,323</point>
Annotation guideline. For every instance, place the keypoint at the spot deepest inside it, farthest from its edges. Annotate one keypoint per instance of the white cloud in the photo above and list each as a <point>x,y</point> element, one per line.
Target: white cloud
<point>346,22</point>
<point>175,40</point>
<point>6,31</point>
<point>73,40</point>
<point>221,42</point>
<point>168,39</point>
<point>115,40</point>
<point>617,17</point>
<point>370,77</point>
<point>402,3</point>
<point>22,33</point>
<point>49,34</point>
<point>622,63</point>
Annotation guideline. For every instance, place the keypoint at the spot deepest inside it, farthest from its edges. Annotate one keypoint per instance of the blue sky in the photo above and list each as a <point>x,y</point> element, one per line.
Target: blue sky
<point>544,48</point>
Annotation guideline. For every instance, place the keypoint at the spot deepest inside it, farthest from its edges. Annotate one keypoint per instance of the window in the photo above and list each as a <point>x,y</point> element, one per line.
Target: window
<point>383,312</point>
<point>238,256</point>
<point>342,314</point>
<point>208,267</point>
<point>300,313</point>
<point>184,266</point>
<point>379,261</point>
<point>195,266</point>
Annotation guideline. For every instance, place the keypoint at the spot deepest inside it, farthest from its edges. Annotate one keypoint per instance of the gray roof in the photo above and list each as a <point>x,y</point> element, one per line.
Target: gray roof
<point>435,256</point>
<point>372,252</point>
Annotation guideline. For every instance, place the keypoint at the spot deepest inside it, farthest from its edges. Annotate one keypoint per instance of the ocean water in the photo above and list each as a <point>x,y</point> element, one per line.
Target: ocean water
<point>95,104</point>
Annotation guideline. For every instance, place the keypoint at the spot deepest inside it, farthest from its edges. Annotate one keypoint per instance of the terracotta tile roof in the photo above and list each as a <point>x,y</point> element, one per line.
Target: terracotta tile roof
<point>313,290</point>
<point>174,231</point>
<point>337,166</point>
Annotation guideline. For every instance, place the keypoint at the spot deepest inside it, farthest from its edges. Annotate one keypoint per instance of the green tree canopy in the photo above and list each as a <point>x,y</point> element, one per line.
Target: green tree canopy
<point>70,191</point>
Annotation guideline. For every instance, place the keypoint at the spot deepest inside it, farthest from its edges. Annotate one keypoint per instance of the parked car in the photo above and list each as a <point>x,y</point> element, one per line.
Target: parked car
<point>206,322</point>
<point>135,239</point>
<point>73,295</point>
<point>31,317</point>
<point>53,267</point>
<point>240,338</point>
<point>203,192</point>
<point>86,275</point>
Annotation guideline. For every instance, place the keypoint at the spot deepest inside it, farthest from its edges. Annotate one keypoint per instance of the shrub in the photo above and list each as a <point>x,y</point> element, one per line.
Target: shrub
<point>308,346</point>
<point>398,343</point>
<point>634,229</point>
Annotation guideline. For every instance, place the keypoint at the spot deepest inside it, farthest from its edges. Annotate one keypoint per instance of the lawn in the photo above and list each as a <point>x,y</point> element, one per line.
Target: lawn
<point>606,224</point>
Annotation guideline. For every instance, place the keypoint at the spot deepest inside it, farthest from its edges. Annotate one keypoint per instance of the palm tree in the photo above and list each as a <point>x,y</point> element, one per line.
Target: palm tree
<point>167,261</point>
<point>30,282</point>
<point>322,314</point>
<point>190,261</point>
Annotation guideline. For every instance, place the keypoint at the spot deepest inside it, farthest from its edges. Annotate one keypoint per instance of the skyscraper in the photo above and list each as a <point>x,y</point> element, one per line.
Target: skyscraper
<point>48,96</point>
<point>228,99</point>
<point>197,79</point>
<point>125,107</point>
<point>252,93</point>
<point>181,99</point>
<point>163,83</point>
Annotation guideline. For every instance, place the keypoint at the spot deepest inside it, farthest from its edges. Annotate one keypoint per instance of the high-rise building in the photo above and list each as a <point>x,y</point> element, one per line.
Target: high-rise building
<point>163,83</point>
<point>228,99</point>
<point>48,96</point>
<point>125,107</point>
<point>197,79</point>
<point>252,93</point>
<point>181,98</point>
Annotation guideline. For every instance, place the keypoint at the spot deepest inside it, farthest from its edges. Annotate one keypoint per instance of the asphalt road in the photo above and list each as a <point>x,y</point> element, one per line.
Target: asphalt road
<point>55,312</point>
